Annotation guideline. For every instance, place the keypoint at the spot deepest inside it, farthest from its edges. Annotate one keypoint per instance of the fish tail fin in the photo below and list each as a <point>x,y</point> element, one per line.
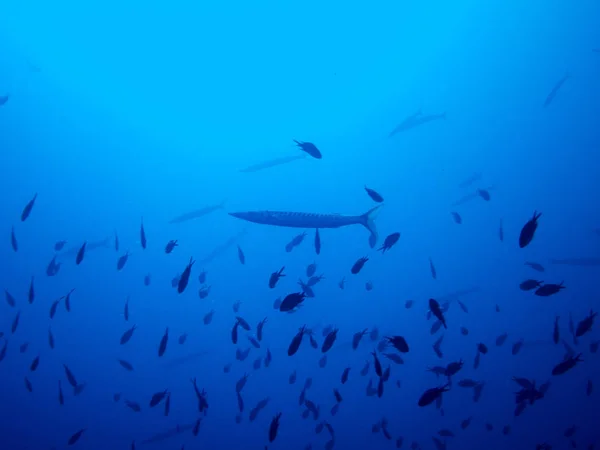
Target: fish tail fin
<point>368,221</point>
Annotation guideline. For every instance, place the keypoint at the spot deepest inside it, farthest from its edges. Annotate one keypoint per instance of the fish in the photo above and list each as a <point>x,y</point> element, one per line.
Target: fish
<point>528,230</point>
<point>555,90</point>
<point>275,276</point>
<point>312,220</point>
<point>470,180</point>
<point>581,262</point>
<point>535,266</point>
<point>468,197</point>
<point>89,246</point>
<point>309,148</point>
<point>143,240</point>
<point>415,120</point>
<point>432,269</point>
<point>375,196</point>
<point>13,240</point>
<point>29,206</point>
<point>317,242</point>
<point>241,255</point>
<point>196,214</point>
<point>4,99</point>
<point>272,163</point>
<point>389,242</point>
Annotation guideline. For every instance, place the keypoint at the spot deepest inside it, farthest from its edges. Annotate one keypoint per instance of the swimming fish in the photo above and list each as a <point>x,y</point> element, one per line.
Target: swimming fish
<point>197,213</point>
<point>272,163</point>
<point>312,220</point>
<point>555,90</point>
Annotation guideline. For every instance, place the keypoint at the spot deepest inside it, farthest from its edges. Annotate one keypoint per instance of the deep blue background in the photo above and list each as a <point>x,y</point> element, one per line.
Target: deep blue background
<point>149,110</point>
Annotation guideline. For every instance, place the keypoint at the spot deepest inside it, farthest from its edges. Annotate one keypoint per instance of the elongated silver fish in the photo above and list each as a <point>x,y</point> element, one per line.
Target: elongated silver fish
<point>273,163</point>
<point>582,262</point>
<point>312,220</point>
<point>197,213</point>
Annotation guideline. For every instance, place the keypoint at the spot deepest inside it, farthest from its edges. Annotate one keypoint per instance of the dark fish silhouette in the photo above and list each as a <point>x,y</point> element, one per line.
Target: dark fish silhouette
<point>389,242</point>
<point>375,196</point>
<point>415,120</point>
<point>272,163</point>
<point>555,90</point>
<point>197,213</point>
<point>143,240</point>
<point>309,148</point>
<point>28,207</point>
<point>528,230</point>
<point>185,276</point>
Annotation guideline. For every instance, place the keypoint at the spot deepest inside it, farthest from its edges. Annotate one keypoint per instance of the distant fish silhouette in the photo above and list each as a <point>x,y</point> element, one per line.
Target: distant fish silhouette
<point>555,89</point>
<point>272,163</point>
<point>197,213</point>
<point>581,262</point>
<point>469,181</point>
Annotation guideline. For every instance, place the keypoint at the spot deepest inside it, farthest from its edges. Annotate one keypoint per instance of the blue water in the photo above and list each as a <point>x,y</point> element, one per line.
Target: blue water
<point>120,113</point>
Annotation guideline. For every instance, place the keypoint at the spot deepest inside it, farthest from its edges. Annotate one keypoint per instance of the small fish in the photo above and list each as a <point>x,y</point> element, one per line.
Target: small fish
<point>126,336</point>
<point>375,196</point>
<point>309,148</point>
<point>50,339</point>
<point>329,341</point>
<point>28,207</point>
<point>432,269</point>
<point>528,230</point>
<point>484,194</point>
<point>80,254</point>
<point>75,437</point>
<point>435,309</point>
<point>549,289</point>
<point>501,339</point>
<point>274,427</point>
<point>31,293</point>
<point>566,365</point>
<point>122,261</point>
<point>70,377</point>
<point>241,255</point>
<point>317,242</point>
<point>185,277</point>
<point>556,332</point>
<point>59,245</point>
<point>275,276</point>
<point>170,246</point>
<point>501,231</point>
<point>125,364</point>
<point>296,341</point>
<point>535,266</point>
<point>456,217</point>
<point>555,90</point>
<point>358,265</point>
<point>208,317</point>
<point>530,284</point>
<point>162,347</point>
<point>389,242</point>
<point>431,395</point>
<point>202,277</point>
<point>143,241</point>
<point>13,240</point>
<point>9,299</point>
<point>157,398</point>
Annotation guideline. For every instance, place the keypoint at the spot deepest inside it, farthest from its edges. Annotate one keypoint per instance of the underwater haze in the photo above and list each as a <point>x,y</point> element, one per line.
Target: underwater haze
<point>314,225</point>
